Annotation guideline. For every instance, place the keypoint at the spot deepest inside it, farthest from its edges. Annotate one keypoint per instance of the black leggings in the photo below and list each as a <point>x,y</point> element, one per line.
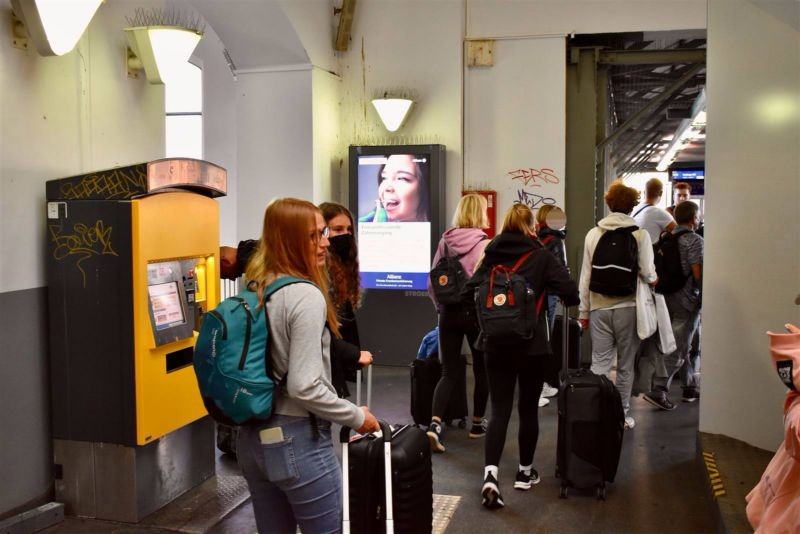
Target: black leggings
<point>453,326</point>
<point>504,370</point>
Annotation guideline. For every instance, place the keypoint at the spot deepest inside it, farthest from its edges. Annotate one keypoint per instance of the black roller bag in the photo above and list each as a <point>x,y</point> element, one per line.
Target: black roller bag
<point>425,374</point>
<point>590,428</point>
<point>373,506</point>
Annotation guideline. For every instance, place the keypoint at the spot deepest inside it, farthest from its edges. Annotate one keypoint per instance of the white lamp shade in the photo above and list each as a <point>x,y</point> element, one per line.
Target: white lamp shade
<point>55,26</point>
<point>162,48</point>
<point>392,111</point>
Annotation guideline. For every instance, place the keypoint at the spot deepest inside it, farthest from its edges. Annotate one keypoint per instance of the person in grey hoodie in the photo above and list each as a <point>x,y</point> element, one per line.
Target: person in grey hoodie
<point>467,240</point>
<point>612,319</point>
<point>288,460</point>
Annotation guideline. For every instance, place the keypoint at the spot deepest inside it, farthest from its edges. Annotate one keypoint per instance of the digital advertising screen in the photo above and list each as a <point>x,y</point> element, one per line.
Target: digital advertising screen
<point>165,301</point>
<point>688,175</point>
<point>394,220</point>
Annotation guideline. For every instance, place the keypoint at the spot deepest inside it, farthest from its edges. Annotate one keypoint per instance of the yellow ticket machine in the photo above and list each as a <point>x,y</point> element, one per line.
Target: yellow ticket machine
<point>132,268</point>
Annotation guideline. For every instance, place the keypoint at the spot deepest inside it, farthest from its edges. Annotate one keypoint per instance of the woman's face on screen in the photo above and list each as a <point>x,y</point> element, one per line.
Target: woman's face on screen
<point>399,188</point>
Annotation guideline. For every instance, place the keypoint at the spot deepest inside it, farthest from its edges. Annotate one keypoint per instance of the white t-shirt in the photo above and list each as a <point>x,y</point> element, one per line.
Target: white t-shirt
<point>653,219</point>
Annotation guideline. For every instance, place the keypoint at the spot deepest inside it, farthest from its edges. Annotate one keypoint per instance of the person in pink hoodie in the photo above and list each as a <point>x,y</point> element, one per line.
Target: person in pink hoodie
<point>466,240</point>
<point>773,506</point>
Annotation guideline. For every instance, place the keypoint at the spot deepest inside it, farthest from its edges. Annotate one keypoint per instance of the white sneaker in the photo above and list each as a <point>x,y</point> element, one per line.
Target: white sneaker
<point>543,402</point>
<point>629,422</point>
<point>548,390</point>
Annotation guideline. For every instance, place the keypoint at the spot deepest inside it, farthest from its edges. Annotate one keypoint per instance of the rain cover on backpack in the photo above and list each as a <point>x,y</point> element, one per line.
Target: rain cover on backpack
<point>231,357</point>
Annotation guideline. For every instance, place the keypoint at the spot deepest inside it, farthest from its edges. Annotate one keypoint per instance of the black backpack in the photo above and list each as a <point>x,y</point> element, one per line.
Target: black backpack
<point>615,263</point>
<point>448,278</point>
<point>506,306</point>
<point>667,258</point>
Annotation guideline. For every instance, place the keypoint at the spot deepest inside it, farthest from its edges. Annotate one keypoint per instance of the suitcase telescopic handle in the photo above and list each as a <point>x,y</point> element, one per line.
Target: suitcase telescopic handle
<point>344,438</point>
<point>565,337</point>
<point>359,372</point>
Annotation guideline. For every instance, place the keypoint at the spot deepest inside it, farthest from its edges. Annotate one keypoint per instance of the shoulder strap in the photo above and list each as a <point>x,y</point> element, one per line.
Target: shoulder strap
<point>520,261</point>
<point>547,239</point>
<point>282,282</point>
<point>640,210</point>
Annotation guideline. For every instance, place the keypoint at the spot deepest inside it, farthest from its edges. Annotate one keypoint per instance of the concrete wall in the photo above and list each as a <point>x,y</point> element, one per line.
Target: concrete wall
<point>61,116</point>
<point>752,268</point>
<point>328,152</point>
<point>274,135</point>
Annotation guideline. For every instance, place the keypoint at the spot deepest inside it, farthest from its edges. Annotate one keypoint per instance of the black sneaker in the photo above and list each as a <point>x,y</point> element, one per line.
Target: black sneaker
<point>435,436</point>
<point>478,430</point>
<point>690,395</point>
<point>524,482</point>
<point>491,493</point>
<point>661,402</point>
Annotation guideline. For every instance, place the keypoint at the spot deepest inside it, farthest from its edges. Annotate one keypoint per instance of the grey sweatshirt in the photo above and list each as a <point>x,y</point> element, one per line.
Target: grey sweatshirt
<point>301,345</point>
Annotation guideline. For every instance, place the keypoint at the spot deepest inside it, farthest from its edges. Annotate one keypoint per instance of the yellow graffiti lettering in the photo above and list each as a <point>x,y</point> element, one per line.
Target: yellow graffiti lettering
<point>82,243</point>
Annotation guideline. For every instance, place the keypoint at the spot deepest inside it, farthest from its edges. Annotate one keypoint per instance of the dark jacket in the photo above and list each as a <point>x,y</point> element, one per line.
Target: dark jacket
<point>553,240</point>
<point>346,351</point>
<point>541,270</point>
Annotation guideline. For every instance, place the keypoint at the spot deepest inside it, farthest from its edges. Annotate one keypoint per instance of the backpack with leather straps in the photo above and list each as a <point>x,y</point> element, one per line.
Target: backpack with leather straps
<point>448,277</point>
<point>507,307</point>
<point>615,263</point>
<point>667,258</point>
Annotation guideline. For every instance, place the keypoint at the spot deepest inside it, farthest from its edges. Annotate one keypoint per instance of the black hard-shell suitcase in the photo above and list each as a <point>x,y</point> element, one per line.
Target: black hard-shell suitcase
<point>425,374</point>
<point>372,505</point>
<point>590,428</point>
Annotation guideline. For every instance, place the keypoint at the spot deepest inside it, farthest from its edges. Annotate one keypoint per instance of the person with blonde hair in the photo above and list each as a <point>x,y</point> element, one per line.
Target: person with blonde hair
<point>288,461</point>
<point>609,314</point>
<point>520,363</point>
<point>466,241</point>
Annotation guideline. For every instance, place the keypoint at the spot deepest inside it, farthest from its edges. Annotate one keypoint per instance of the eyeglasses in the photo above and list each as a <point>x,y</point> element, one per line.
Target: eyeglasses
<point>319,234</point>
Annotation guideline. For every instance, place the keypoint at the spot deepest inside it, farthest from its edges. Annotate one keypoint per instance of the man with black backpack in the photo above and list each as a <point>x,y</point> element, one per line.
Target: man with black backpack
<point>679,259</point>
<point>616,254</point>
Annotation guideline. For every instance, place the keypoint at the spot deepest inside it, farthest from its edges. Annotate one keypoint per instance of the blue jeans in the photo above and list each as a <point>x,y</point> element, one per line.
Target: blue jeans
<point>294,481</point>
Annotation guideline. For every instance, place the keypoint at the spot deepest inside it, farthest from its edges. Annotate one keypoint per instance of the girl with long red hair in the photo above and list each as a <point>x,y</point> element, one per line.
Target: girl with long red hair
<point>288,461</point>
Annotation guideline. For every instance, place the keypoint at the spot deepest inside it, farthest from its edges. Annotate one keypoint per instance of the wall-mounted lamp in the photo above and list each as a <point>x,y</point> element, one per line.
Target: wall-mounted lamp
<point>158,42</point>
<point>54,26</point>
<point>392,111</point>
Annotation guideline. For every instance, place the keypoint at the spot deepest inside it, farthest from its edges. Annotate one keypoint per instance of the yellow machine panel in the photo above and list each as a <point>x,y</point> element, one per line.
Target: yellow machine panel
<point>182,234</point>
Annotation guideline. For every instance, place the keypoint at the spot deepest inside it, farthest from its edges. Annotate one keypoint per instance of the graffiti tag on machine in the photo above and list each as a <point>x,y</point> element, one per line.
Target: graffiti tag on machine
<point>115,184</point>
<point>532,200</point>
<point>83,243</point>
<point>535,177</point>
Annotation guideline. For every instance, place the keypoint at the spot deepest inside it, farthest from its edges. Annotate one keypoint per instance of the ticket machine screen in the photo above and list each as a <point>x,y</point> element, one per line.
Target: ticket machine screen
<point>165,301</point>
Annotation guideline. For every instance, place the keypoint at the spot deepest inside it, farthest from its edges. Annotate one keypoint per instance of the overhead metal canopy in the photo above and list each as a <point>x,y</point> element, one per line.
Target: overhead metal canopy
<point>653,79</point>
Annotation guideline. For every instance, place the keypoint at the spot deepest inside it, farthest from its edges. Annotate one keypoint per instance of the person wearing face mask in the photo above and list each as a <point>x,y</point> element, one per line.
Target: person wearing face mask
<point>402,191</point>
<point>345,293</point>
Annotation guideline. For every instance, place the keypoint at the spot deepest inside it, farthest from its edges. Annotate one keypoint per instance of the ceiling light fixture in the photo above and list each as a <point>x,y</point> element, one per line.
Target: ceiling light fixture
<point>688,130</point>
<point>159,42</point>
<point>392,111</point>
<point>55,26</point>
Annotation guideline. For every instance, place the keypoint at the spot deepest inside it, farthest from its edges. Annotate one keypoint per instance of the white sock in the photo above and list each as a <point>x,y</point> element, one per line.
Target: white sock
<point>490,469</point>
<point>526,469</point>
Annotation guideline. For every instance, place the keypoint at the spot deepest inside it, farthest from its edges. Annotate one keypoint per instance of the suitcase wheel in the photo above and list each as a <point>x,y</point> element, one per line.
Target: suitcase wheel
<point>562,494</point>
<point>601,492</point>
<point>462,423</point>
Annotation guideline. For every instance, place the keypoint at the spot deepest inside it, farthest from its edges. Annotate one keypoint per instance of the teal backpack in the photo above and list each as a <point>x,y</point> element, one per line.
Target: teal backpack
<point>232,357</point>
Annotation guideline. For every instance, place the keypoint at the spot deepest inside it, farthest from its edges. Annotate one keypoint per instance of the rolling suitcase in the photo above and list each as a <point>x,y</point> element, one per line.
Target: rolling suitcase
<point>387,481</point>
<point>425,374</point>
<point>426,370</point>
<point>590,427</point>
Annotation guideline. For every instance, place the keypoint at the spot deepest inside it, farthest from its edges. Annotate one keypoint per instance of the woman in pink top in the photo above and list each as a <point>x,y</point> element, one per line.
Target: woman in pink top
<point>467,240</point>
<point>774,504</point>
